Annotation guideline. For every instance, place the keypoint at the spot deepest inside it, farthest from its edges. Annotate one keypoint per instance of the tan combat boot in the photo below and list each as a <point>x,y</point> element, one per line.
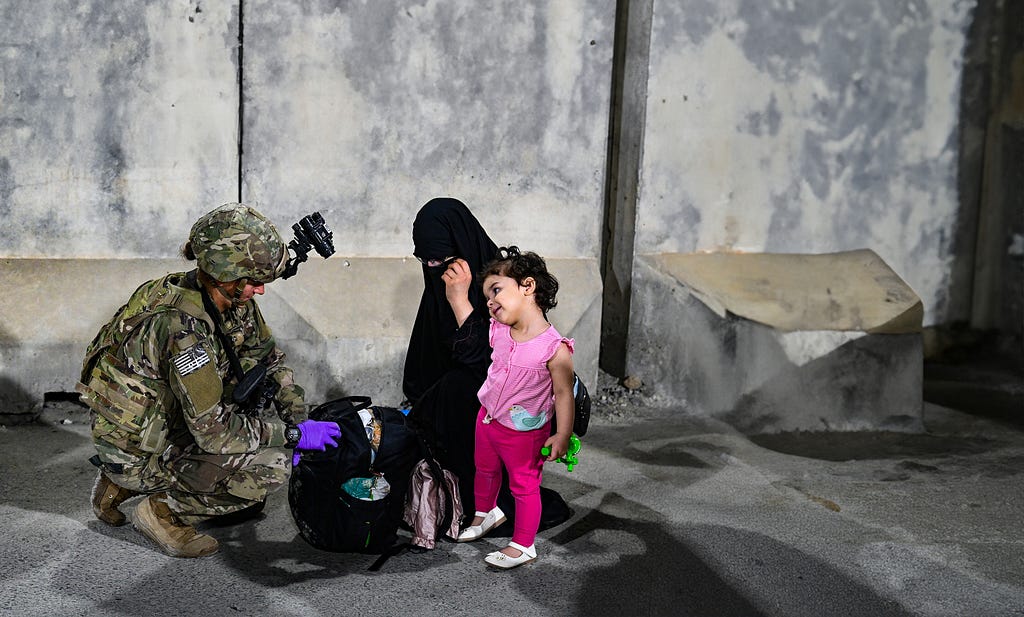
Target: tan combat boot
<point>159,524</point>
<point>106,497</point>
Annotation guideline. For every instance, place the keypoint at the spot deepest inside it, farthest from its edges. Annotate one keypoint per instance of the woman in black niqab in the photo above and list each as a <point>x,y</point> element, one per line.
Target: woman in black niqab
<point>449,351</point>
<point>445,228</point>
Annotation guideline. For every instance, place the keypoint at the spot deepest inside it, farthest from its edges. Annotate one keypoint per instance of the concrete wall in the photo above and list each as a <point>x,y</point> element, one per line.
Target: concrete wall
<point>808,126</point>
<point>365,111</point>
<point>44,332</point>
<point>796,127</point>
<point>754,125</point>
<point>120,124</point>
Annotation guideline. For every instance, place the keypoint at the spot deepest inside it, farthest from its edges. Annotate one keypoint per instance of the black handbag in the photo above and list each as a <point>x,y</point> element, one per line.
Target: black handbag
<point>581,408</point>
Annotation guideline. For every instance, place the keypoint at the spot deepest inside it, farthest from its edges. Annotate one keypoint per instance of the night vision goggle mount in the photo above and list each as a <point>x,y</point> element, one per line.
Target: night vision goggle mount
<point>310,233</point>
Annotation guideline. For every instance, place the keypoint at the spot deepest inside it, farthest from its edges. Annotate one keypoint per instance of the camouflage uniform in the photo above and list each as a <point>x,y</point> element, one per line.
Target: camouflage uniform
<point>159,384</point>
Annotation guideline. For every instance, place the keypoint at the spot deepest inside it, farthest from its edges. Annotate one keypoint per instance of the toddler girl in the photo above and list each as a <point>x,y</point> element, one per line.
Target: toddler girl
<point>529,381</point>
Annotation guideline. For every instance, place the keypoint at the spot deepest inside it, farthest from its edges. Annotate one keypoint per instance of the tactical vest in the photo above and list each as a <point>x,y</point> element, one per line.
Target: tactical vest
<point>130,410</point>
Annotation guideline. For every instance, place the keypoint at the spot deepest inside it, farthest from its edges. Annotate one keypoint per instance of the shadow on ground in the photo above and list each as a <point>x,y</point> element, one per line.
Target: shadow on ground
<point>622,559</point>
<point>981,374</point>
<point>672,570</point>
<point>866,445</point>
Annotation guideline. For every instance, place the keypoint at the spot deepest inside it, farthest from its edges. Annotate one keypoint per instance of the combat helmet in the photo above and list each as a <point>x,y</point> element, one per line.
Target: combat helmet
<point>234,241</point>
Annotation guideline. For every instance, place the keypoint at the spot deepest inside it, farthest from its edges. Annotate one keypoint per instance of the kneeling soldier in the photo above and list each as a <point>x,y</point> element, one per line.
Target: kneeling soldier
<point>159,379</point>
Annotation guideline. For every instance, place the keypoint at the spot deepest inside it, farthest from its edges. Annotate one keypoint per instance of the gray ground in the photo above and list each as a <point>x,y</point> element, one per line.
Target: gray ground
<point>674,515</point>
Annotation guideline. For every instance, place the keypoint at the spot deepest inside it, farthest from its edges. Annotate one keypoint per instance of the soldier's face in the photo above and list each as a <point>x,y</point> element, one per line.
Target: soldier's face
<point>251,289</point>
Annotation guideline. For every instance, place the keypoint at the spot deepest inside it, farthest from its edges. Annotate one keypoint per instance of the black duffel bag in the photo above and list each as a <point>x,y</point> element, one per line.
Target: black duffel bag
<point>351,498</point>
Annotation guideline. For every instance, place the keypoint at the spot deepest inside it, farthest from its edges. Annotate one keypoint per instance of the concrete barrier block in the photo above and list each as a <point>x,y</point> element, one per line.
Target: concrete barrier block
<point>52,309</point>
<point>343,322</point>
<point>762,378</point>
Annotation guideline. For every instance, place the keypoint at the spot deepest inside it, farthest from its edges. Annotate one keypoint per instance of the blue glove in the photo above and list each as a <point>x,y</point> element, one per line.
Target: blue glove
<point>316,435</point>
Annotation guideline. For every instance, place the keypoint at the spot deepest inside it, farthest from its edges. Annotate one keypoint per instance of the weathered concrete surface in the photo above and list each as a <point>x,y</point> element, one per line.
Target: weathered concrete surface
<point>118,124</point>
<point>673,515</point>
<point>52,309</point>
<point>762,378</point>
<point>852,290</point>
<point>807,127</point>
<point>365,111</point>
<point>343,322</point>
<point>767,126</point>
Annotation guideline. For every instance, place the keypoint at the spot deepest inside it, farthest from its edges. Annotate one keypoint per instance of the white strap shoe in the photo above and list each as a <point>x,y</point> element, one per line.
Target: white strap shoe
<point>491,520</point>
<point>497,559</point>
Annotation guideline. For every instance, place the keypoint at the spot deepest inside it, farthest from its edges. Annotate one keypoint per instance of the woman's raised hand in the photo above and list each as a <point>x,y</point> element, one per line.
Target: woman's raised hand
<point>457,279</point>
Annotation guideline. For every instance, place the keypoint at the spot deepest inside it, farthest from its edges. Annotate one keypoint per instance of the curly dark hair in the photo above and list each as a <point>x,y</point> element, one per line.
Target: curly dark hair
<point>510,262</point>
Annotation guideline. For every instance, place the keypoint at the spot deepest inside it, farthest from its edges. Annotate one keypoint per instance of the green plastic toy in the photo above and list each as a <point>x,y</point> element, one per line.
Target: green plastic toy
<point>569,459</point>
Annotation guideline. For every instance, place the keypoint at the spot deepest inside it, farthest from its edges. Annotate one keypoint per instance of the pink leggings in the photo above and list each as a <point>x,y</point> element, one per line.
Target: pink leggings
<point>519,452</point>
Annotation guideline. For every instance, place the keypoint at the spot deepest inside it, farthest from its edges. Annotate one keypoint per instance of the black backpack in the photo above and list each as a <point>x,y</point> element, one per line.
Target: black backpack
<point>325,511</point>
<point>581,408</point>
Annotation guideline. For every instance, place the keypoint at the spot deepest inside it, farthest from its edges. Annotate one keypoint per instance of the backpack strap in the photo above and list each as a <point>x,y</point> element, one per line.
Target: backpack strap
<point>338,406</point>
<point>218,329</point>
<point>388,554</point>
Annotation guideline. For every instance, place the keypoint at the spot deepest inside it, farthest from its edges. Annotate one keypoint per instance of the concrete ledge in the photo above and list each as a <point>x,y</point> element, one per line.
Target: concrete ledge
<point>344,322</point>
<point>762,378</point>
<point>52,308</point>
<point>851,290</point>
<point>348,321</point>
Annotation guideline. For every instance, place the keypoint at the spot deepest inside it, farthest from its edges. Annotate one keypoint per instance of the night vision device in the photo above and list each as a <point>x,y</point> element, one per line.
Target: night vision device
<point>311,233</point>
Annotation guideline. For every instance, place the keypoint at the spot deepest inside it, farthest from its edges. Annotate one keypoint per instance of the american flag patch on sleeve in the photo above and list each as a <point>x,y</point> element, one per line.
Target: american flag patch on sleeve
<point>191,360</point>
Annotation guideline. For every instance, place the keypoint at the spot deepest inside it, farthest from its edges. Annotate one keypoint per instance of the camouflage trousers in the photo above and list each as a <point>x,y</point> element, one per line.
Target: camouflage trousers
<point>199,485</point>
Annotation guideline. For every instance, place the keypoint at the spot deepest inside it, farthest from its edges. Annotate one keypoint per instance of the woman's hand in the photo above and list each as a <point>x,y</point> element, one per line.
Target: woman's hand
<point>457,279</point>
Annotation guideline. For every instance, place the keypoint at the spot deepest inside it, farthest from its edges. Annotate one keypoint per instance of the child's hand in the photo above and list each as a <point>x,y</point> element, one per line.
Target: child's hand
<point>559,445</point>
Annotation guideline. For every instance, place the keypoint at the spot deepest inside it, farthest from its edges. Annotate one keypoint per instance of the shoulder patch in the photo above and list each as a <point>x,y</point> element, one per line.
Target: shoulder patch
<point>191,360</point>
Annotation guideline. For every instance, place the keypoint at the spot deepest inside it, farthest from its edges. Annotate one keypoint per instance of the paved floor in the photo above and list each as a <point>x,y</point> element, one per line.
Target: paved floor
<point>674,515</point>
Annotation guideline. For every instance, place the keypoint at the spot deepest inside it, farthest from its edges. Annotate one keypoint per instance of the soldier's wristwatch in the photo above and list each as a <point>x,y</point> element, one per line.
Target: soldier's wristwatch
<point>292,435</point>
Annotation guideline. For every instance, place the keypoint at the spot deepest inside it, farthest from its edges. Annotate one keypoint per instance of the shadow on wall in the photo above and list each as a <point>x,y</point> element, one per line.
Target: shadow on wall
<point>1002,403</point>
<point>870,382</point>
<point>17,405</point>
<point>986,285</point>
<point>975,93</point>
<point>980,373</point>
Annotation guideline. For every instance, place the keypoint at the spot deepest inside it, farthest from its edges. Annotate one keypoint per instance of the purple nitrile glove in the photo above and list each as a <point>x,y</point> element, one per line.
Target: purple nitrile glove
<point>316,435</point>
